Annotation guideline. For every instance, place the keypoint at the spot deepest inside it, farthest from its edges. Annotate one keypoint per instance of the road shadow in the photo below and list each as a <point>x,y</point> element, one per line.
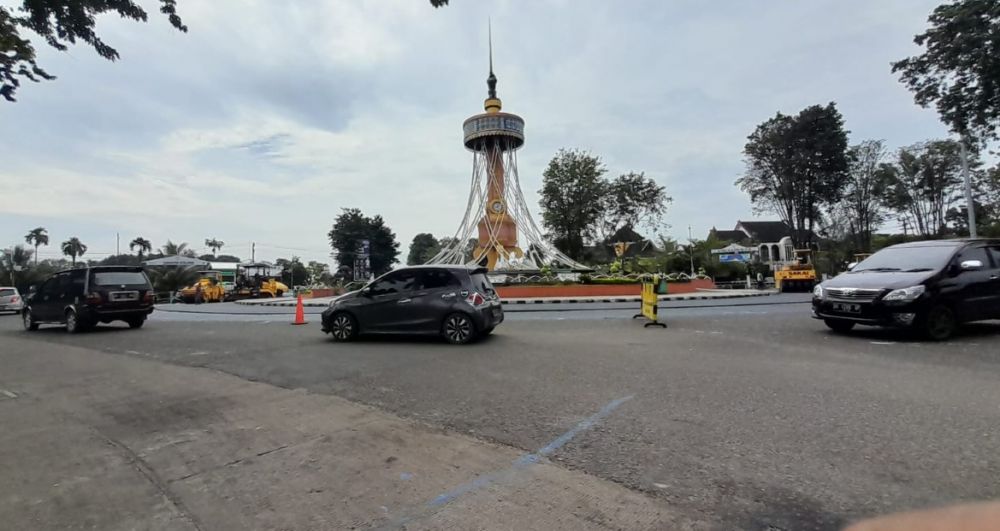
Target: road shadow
<point>411,339</point>
<point>968,331</point>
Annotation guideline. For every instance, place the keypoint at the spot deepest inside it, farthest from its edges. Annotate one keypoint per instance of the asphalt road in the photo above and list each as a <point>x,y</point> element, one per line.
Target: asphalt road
<point>745,416</point>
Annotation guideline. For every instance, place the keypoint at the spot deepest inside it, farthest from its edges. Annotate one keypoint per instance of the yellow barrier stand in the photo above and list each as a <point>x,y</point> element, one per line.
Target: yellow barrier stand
<point>650,302</point>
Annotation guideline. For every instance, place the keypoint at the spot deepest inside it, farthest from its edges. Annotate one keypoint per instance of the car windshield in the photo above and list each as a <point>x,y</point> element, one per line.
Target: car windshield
<point>120,278</point>
<point>908,258</point>
<point>7,292</point>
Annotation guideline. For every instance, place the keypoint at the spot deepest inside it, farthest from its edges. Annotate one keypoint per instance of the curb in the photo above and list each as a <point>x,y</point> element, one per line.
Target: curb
<point>291,304</point>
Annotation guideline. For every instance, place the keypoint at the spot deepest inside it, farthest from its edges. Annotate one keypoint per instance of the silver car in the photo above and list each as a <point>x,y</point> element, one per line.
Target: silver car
<point>10,300</point>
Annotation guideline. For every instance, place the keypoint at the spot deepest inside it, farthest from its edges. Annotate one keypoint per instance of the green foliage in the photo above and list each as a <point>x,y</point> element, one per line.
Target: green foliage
<point>863,206</point>
<point>142,244</point>
<point>177,249</point>
<point>959,71</point>
<point>227,258</point>
<point>214,245</point>
<point>633,200</point>
<point>923,183</point>
<point>350,228</point>
<point>319,273</point>
<point>470,246</point>
<point>35,237</point>
<point>423,247</point>
<point>121,259</point>
<point>60,23</point>
<point>293,272</point>
<point>171,279</point>
<point>796,165</point>
<point>73,248</point>
<point>572,199</point>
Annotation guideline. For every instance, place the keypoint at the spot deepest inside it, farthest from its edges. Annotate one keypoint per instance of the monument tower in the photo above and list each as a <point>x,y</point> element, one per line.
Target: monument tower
<point>496,215</point>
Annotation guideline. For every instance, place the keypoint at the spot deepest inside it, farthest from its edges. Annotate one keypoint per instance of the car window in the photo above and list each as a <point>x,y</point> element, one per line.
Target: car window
<point>482,284</point>
<point>398,282</point>
<point>995,254</point>
<point>6,292</point>
<point>437,279</point>
<point>974,253</point>
<point>119,278</point>
<point>930,257</point>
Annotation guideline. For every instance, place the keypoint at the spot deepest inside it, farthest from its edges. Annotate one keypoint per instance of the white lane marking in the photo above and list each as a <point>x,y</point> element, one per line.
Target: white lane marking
<point>882,343</point>
<point>7,393</point>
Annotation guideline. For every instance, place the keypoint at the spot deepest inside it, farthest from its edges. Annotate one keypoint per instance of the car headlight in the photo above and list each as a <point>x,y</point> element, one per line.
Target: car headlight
<point>905,294</point>
<point>818,291</point>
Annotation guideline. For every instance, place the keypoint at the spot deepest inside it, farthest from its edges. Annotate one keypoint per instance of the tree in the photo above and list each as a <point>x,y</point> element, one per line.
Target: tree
<point>62,23</point>
<point>35,237</point>
<point>73,248</point>
<point>177,249</point>
<point>214,245</point>
<point>226,258</point>
<point>423,247</point>
<point>142,244</point>
<point>14,260</point>
<point>959,71</point>
<point>633,200</point>
<point>470,246</point>
<point>796,165</point>
<point>350,228</point>
<point>293,273</point>
<point>862,208</point>
<point>572,199</point>
<point>923,183</point>
<point>319,273</point>
<point>987,205</point>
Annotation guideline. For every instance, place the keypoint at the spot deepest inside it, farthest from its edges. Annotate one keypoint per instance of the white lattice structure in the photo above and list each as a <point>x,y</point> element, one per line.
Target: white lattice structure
<point>497,215</point>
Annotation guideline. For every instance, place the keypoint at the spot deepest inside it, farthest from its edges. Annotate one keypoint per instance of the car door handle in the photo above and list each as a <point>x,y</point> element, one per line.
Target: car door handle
<point>448,296</point>
<point>404,301</point>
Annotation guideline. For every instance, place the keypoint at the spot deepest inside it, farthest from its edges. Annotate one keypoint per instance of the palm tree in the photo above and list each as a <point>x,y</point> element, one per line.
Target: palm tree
<point>143,245</point>
<point>36,237</point>
<point>73,247</point>
<point>214,245</point>
<point>176,249</point>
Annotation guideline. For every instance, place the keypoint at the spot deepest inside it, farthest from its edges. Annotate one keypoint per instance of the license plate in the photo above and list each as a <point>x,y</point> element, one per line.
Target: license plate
<point>846,308</point>
<point>120,296</point>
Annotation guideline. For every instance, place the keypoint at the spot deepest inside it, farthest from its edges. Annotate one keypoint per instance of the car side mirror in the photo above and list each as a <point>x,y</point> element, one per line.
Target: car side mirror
<point>971,265</point>
<point>366,292</point>
<point>851,266</point>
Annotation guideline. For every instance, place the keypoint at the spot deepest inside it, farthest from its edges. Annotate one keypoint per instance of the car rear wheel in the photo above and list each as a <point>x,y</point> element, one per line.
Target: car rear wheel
<point>343,327</point>
<point>29,321</point>
<point>838,325</point>
<point>73,324</point>
<point>938,323</point>
<point>458,329</point>
<point>136,322</point>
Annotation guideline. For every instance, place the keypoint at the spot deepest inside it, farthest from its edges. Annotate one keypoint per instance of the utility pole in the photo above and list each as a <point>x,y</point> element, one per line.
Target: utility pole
<point>905,227</point>
<point>691,250</point>
<point>118,244</point>
<point>253,252</point>
<point>968,189</point>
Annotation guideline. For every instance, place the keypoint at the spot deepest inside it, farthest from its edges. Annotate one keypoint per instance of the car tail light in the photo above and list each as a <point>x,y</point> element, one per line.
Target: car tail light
<point>148,298</point>
<point>475,299</point>
<point>94,298</point>
<point>13,299</point>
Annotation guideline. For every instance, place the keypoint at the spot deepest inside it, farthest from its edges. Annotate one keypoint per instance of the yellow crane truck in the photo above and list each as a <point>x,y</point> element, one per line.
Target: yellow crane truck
<point>797,276</point>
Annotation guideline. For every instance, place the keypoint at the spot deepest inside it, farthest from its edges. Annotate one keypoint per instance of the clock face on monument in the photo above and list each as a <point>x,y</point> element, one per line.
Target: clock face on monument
<point>496,206</point>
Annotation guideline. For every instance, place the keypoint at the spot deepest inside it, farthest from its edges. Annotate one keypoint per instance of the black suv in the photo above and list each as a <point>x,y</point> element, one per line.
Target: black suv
<point>930,286</point>
<point>455,301</point>
<point>81,298</point>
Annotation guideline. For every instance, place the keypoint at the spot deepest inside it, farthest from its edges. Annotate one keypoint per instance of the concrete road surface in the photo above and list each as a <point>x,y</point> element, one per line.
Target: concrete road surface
<point>736,417</point>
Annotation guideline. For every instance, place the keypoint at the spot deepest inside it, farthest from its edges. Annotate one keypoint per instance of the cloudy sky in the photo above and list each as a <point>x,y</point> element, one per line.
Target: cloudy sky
<point>267,118</point>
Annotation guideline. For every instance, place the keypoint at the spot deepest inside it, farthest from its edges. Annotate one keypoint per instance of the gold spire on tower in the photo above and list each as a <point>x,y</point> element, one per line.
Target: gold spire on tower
<point>492,104</point>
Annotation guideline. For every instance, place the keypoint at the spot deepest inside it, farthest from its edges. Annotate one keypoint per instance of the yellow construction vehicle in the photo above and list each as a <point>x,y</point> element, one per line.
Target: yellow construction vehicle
<point>253,281</point>
<point>208,288</point>
<point>797,276</point>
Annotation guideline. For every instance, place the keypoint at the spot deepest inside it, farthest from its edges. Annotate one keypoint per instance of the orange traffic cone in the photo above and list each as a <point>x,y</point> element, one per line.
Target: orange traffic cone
<point>300,313</point>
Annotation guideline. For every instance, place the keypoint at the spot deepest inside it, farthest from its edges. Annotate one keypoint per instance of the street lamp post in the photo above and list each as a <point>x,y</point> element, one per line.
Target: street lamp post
<point>968,189</point>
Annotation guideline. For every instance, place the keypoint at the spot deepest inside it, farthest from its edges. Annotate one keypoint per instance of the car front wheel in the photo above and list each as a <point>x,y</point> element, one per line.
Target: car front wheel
<point>938,323</point>
<point>458,329</point>
<point>343,327</point>
<point>838,325</point>
<point>29,321</point>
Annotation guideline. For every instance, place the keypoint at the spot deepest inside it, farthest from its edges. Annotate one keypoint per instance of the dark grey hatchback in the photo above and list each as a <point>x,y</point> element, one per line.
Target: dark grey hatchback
<point>457,302</point>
